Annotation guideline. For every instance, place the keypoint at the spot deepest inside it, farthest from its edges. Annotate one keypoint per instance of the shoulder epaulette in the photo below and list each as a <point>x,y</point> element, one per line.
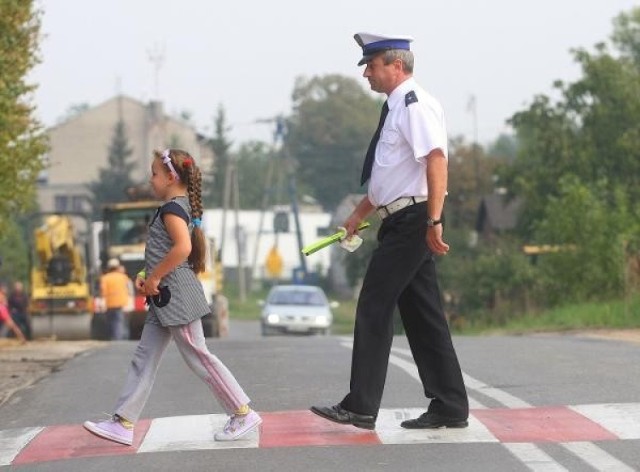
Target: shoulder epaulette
<point>410,98</point>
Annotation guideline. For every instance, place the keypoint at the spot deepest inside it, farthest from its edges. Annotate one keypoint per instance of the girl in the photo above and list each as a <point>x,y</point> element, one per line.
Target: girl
<point>174,253</point>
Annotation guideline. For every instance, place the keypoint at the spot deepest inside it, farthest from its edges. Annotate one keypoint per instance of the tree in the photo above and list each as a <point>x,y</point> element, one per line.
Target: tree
<point>252,161</point>
<point>590,133</point>
<point>592,245</point>
<point>471,176</point>
<point>220,144</point>
<point>578,172</point>
<point>22,140</point>
<point>14,252</point>
<point>328,135</point>
<point>114,180</point>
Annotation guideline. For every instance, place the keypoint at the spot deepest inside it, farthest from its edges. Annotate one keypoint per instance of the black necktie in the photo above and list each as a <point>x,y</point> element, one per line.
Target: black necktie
<point>371,152</point>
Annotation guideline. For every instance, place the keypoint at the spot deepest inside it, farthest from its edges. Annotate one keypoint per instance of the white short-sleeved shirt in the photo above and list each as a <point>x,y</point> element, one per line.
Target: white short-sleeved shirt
<point>414,127</point>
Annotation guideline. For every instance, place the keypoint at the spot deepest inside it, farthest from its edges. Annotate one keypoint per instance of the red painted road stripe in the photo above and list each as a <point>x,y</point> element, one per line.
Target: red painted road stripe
<point>303,428</point>
<point>67,441</point>
<point>542,424</point>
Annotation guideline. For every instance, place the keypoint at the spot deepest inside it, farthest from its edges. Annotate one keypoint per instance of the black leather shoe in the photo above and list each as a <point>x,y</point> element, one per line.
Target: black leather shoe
<point>434,421</point>
<point>337,414</point>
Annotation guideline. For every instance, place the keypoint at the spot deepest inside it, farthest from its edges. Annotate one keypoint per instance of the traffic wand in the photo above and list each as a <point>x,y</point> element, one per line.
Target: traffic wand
<point>329,240</point>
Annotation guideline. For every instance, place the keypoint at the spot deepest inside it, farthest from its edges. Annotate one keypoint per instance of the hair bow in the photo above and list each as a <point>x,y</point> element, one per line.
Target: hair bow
<point>166,159</point>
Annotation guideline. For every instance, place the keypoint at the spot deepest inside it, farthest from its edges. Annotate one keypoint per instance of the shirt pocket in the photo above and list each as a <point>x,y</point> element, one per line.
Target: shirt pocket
<point>389,139</point>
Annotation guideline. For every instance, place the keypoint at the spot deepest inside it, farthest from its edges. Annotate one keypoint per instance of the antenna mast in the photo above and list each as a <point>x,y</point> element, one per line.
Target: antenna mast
<point>156,57</point>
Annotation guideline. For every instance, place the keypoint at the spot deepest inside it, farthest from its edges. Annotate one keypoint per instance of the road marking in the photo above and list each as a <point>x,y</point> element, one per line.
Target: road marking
<point>596,457</point>
<point>621,419</point>
<point>542,424</point>
<point>516,429</point>
<point>190,433</point>
<point>12,441</point>
<point>303,428</point>
<point>496,394</point>
<point>524,425</point>
<point>389,430</point>
<point>67,441</point>
<point>534,457</point>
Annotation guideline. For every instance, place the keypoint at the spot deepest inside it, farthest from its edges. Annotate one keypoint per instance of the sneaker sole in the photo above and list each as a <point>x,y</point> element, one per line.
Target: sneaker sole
<point>105,434</point>
<point>244,433</point>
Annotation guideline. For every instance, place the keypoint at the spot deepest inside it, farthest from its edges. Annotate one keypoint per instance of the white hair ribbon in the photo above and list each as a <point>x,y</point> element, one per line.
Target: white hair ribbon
<point>166,159</point>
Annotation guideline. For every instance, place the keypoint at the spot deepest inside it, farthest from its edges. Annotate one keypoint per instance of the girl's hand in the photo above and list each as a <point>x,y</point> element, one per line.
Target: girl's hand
<point>150,286</point>
<point>139,284</point>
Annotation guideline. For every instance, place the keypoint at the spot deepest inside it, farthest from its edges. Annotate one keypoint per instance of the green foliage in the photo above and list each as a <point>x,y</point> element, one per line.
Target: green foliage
<point>578,171</point>
<point>471,173</point>
<point>328,134</point>
<point>213,185</point>
<point>252,161</point>
<point>593,315</point>
<point>591,233</point>
<point>22,141</point>
<point>591,133</point>
<point>115,179</point>
<point>14,251</point>
<point>489,279</point>
<point>626,34</point>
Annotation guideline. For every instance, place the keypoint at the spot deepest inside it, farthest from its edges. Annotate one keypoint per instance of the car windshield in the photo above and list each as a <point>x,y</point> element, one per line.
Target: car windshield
<point>297,297</point>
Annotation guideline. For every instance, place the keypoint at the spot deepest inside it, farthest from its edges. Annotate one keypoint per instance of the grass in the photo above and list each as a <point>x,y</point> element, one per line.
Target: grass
<point>617,314</point>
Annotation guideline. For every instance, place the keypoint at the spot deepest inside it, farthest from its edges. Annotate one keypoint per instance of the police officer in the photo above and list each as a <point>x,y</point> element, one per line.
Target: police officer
<point>407,166</point>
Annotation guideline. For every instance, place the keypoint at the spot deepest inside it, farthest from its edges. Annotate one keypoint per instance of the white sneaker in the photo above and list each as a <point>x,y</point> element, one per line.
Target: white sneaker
<point>238,426</point>
<point>112,430</point>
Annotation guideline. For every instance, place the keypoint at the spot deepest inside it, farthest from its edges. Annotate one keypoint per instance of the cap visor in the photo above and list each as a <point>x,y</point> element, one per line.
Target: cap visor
<point>366,59</point>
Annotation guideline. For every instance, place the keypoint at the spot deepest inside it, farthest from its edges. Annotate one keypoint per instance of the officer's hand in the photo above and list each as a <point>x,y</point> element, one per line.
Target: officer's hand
<point>351,225</point>
<point>435,242</point>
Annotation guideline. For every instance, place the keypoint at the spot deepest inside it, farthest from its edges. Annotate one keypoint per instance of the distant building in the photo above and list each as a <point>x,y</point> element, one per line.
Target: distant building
<point>497,214</point>
<point>255,245</point>
<point>80,148</point>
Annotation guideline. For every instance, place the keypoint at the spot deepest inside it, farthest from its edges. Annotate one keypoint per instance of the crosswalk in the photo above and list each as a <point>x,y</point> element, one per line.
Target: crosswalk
<point>577,428</point>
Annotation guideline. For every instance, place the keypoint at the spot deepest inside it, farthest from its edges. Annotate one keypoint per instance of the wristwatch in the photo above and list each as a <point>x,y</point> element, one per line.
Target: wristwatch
<point>431,222</point>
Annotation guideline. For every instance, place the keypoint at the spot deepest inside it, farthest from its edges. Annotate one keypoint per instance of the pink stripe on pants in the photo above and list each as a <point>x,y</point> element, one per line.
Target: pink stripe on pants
<point>190,342</point>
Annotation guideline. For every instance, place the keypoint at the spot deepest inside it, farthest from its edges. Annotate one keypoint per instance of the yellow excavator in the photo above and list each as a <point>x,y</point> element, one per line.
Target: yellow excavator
<point>61,299</point>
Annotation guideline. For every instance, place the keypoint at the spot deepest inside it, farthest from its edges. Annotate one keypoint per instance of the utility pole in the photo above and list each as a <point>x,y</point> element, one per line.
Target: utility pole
<point>472,107</point>
<point>156,57</point>
<point>278,138</point>
<point>232,191</point>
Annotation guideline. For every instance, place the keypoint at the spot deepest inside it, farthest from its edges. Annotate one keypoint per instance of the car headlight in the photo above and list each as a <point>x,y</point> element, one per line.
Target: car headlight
<point>322,319</point>
<point>273,318</point>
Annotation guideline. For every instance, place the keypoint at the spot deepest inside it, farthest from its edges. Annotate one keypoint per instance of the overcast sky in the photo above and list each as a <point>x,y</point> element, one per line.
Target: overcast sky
<point>246,54</point>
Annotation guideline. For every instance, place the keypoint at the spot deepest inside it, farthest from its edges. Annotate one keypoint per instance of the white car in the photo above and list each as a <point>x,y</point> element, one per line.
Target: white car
<point>296,309</point>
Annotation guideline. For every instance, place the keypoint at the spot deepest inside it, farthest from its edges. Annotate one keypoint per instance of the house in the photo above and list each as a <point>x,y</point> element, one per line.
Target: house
<point>248,242</point>
<point>79,148</point>
<point>496,214</point>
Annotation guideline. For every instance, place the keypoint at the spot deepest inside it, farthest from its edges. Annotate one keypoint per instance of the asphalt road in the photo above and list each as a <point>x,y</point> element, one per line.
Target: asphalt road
<point>529,380</point>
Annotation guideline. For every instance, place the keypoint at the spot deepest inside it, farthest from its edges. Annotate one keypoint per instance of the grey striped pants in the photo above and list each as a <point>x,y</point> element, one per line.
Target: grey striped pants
<point>189,339</point>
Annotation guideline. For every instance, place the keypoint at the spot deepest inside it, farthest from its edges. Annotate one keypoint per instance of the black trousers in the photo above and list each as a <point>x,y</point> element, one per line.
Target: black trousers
<point>402,273</point>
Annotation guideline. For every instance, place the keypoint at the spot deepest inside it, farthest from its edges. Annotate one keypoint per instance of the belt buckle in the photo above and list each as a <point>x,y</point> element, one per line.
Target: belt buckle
<point>382,212</point>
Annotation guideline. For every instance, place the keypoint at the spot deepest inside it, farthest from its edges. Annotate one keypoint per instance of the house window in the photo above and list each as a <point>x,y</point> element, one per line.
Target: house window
<point>76,202</point>
<point>61,203</point>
